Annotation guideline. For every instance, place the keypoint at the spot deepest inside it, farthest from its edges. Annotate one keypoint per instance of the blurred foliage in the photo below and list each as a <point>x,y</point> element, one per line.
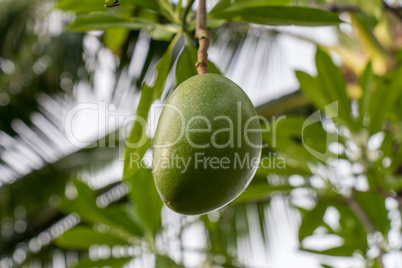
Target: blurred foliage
<point>359,102</point>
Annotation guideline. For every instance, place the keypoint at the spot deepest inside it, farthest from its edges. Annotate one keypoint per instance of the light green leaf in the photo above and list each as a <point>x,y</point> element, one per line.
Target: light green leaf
<point>82,238</point>
<point>279,15</point>
<point>371,7</point>
<point>351,228</point>
<point>107,20</point>
<point>146,199</point>
<point>80,6</point>
<point>115,38</point>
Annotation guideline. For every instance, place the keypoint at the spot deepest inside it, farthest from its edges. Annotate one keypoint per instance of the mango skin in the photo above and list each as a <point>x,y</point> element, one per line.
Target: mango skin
<point>200,189</point>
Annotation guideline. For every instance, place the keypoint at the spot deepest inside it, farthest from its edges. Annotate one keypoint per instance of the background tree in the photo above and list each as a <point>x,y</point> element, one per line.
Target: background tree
<point>137,53</point>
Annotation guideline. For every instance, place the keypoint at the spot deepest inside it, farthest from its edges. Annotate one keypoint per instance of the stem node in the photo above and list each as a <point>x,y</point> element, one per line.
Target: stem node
<point>203,39</point>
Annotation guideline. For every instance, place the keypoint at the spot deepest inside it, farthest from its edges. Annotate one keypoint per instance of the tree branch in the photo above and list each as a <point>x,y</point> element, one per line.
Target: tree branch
<point>202,35</point>
<point>393,10</point>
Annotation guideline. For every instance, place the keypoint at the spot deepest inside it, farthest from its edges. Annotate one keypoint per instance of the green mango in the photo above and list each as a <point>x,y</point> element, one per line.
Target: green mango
<point>207,145</point>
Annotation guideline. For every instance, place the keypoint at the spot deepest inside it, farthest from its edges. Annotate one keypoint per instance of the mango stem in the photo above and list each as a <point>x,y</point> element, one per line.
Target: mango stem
<point>202,35</point>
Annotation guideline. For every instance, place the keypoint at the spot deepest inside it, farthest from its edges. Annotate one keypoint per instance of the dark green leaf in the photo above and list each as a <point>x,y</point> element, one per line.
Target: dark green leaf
<point>373,205</point>
<point>261,192</point>
<point>312,219</point>
<point>384,99</point>
<point>279,15</point>
<point>84,204</point>
<point>161,34</point>
<point>239,4</point>
<point>146,199</point>
<point>345,250</point>
<point>148,4</point>
<point>165,262</point>
<point>82,238</point>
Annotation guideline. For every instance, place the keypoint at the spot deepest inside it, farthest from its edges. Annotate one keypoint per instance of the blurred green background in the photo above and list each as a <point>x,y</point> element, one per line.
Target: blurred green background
<point>68,201</point>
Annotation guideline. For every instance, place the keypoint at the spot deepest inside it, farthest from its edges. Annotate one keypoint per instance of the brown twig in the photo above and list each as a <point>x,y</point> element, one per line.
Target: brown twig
<point>202,35</point>
<point>393,10</point>
<point>115,4</point>
<point>341,8</point>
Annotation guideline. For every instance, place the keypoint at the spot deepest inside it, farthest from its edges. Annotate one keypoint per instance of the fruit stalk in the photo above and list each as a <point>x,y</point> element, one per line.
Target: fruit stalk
<point>202,35</point>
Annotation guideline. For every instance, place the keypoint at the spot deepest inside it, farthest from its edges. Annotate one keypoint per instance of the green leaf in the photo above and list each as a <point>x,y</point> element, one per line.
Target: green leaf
<point>373,205</point>
<point>179,8</point>
<point>84,204</point>
<point>148,4</point>
<point>285,138</point>
<point>279,15</point>
<point>111,262</point>
<point>82,238</point>
<point>371,7</point>
<point>261,192</point>
<point>115,38</point>
<point>161,34</point>
<point>351,227</point>
<point>238,4</point>
<point>384,99</point>
<point>146,199</point>
<point>107,20</point>
<point>80,6</point>
<point>345,250</point>
<point>186,65</point>
<point>165,262</point>
<point>312,89</point>
<point>138,142</point>
<point>312,219</point>
<point>333,86</point>
<point>366,84</point>
<point>257,3</point>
